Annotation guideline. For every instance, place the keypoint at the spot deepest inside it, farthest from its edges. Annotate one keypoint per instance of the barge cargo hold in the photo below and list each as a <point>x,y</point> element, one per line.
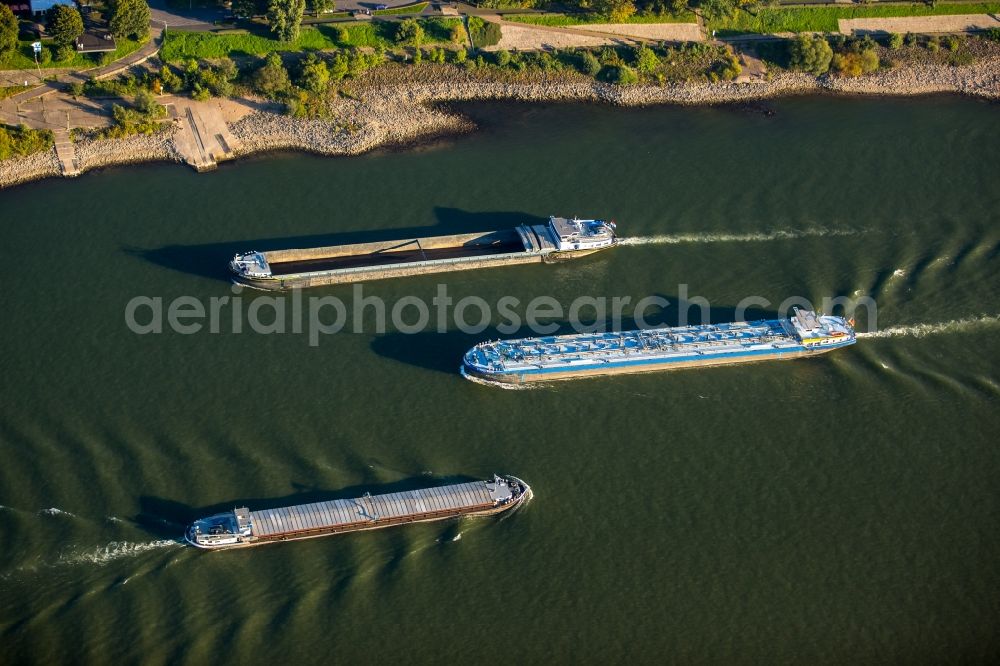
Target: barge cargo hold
<point>589,354</point>
<point>242,527</point>
<point>560,239</point>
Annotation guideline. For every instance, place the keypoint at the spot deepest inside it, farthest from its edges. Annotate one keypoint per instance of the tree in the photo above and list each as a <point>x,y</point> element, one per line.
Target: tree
<point>64,24</point>
<point>410,32</point>
<point>617,11</point>
<point>8,29</point>
<point>271,79</point>
<point>285,17</point>
<point>130,18</point>
<point>676,6</point>
<point>716,9</point>
<point>646,61</point>
<point>320,6</point>
<point>249,8</point>
<point>811,54</point>
<point>315,75</point>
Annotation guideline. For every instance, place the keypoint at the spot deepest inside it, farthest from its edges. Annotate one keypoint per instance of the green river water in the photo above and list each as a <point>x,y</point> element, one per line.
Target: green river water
<point>843,509</point>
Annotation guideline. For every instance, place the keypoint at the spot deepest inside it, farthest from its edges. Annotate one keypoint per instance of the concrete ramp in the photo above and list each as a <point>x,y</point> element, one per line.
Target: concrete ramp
<point>66,153</point>
<point>204,139</point>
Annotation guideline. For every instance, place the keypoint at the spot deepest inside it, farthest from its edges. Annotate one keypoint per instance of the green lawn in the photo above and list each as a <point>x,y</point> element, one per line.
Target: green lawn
<point>22,58</point>
<point>405,9</point>
<point>561,20</point>
<point>182,45</point>
<point>824,19</point>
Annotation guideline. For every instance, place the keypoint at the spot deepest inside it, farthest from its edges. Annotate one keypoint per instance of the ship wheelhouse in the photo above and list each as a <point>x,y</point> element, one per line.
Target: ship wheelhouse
<point>576,234</point>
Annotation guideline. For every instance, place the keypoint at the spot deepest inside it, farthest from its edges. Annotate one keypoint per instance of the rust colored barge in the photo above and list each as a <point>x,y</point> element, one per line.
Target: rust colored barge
<point>242,527</point>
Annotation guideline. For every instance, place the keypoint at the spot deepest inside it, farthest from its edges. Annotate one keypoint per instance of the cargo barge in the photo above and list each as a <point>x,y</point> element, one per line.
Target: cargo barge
<point>561,238</point>
<point>242,527</point>
<point>584,355</point>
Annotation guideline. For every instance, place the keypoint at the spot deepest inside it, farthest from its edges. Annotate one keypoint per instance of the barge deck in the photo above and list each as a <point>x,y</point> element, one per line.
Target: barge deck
<point>588,354</point>
<point>243,527</point>
<point>560,239</point>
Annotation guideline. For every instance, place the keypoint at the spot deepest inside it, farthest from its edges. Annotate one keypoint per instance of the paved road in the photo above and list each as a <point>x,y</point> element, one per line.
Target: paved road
<point>176,16</point>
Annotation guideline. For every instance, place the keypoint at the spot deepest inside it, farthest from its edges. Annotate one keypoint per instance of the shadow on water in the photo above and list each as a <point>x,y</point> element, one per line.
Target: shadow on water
<point>211,260</point>
<point>442,352</point>
<point>164,517</point>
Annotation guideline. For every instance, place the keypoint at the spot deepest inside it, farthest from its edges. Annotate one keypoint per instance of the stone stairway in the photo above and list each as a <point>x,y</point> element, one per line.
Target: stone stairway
<point>66,152</point>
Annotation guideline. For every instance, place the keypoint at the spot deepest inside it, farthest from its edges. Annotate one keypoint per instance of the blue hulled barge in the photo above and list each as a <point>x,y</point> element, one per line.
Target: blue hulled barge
<point>588,354</point>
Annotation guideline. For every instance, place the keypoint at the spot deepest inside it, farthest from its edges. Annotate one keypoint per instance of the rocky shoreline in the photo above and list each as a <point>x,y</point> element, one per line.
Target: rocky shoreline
<point>394,106</point>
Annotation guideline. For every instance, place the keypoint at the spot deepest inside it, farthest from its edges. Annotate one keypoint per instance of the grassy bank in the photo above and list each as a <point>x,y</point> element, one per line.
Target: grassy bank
<point>181,45</point>
<point>562,20</point>
<point>824,19</point>
<point>21,141</point>
<point>415,8</point>
<point>23,58</point>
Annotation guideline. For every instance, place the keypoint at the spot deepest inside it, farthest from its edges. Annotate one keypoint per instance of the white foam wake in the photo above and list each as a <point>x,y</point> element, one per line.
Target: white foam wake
<point>921,330</point>
<point>55,512</point>
<point>780,234</point>
<point>115,550</point>
<point>502,385</point>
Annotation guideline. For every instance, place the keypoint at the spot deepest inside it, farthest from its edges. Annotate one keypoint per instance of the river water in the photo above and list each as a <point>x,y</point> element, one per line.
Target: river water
<point>831,510</point>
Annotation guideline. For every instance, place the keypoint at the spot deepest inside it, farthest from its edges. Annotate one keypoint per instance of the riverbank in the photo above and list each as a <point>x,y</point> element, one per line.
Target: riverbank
<point>401,105</point>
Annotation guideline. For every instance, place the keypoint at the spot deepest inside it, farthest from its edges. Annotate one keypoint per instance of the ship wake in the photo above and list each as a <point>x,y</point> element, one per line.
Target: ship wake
<point>780,234</point>
<point>922,330</point>
<point>115,550</point>
<point>502,385</point>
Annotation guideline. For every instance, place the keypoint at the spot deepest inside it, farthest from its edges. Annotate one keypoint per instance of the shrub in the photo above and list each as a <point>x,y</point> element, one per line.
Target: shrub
<point>610,57</point>
<point>993,34</point>
<point>910,39</point>
<point>895,41</point>
<point>855,64</point>
<point>624,75</point>
<point>589,64</point>
<point>646,61</point>
<point>65,53</point>
<point>728,67</point>
<point>483,33</point>
<point>171,82</point>
<point>951,42</point>
<point>45,57</point>
<point>462,56</point>
<point>810,54</point>
<point>933,44</point>
<point>502,58</point>
<point>21,141</point>
<point>409,31</point>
